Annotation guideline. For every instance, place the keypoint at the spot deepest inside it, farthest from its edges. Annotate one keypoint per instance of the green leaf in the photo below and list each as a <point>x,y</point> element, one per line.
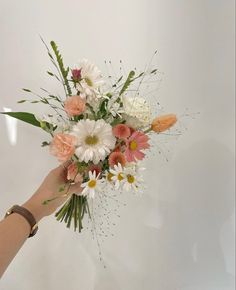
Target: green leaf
<point>24,116</point>
<point>50,73</point>
<point>21,101</point>
<point>45,143</point>
<point>128,81</point>
<point>26,90</point>
<point>117,82</point>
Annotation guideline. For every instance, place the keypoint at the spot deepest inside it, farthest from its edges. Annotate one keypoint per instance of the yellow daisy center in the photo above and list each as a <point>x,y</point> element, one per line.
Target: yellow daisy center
<point>120,177</point>
<point>133,145</point>
<point>130,178</point>
<point>88,82</point>
<point>109,176</point>
<point>91,140</point>
<point>92,183</point>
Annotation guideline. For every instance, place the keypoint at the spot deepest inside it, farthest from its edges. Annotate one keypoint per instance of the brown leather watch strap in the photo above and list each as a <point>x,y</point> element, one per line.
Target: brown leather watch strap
<point>27,215</point>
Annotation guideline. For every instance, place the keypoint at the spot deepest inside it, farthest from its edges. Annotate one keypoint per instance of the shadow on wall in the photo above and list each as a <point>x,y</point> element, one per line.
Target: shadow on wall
<point>188,244</point>
<point>185,252</point>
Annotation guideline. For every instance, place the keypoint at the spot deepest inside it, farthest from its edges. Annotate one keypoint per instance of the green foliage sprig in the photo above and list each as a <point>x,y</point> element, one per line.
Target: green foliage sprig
<point>64,72</point>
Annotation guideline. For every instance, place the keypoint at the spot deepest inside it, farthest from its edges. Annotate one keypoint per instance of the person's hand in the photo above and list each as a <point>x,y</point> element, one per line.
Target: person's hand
<point>52,193</point>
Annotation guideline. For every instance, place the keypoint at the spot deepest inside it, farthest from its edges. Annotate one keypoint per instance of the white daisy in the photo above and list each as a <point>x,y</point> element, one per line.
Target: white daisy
<point>132,178</point>
<point>108,177</point>
<point>118,175</point>
<point>94,140</point>
<point>92,186</point>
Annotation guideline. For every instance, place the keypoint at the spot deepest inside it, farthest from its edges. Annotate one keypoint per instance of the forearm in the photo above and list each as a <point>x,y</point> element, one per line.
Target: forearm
<point>14,230</point>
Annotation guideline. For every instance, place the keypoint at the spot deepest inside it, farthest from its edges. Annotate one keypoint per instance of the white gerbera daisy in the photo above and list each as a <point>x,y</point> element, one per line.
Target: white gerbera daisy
<point>94,140</point>
<point>91,74</point>
<point>137,112</point>
<point>118,175</point>
<point>91,80</point>
<point>92,185</point>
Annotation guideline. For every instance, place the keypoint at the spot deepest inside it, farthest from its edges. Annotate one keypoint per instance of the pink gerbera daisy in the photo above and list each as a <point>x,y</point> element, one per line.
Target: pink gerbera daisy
<point>134,146</point>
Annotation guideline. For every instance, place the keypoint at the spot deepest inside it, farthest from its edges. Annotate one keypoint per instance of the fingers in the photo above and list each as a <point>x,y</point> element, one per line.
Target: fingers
<point>65,165</point>
<point>70,188</point>
<point>62,170</point>
<point>75,188</point>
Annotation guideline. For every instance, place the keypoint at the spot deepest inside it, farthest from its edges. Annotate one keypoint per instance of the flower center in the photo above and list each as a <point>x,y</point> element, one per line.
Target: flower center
<point>133,145</point>
<point>92,183</point>
<point>91,140</point>
<point>120,177</point>
<point>88,82</point>
<point>109,176</point>
<point>130,178</point>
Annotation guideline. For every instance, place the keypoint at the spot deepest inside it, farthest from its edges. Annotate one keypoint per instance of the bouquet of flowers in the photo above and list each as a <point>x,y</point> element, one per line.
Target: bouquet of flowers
<point>101,129</point>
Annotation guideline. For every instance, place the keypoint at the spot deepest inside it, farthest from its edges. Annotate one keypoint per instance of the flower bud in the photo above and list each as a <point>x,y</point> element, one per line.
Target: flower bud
<point>163,123</point>
<point>76,74</point>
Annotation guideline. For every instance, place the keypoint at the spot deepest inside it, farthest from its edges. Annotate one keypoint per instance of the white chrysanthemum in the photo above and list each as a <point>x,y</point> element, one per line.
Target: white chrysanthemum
<point>114,107</point>
<point>117,175</point>
<point>137,112</point>
<point>94,140</point>
<point>92,186</point>
<point>132,178</point>
<point>91,80</point>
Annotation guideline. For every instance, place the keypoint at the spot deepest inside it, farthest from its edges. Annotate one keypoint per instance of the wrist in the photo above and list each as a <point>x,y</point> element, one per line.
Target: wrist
<point>35,208</point>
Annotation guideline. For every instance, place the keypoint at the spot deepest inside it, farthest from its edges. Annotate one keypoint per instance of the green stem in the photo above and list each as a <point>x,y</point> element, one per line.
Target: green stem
<point>75,213</point>
<point>148,130</point>
<point>61,213</point>
<point>70,212</point>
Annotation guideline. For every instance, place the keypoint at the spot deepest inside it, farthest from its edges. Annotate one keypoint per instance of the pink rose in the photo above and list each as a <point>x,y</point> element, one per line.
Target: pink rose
<point>74,105</point>
<point>73,174</point>
<point>63,146</point>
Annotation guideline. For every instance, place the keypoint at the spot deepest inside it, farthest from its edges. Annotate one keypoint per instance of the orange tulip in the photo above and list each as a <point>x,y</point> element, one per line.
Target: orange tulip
<point>163,123</point>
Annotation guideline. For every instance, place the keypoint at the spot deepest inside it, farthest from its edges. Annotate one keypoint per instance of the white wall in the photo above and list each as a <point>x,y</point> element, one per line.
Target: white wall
<point>179,234</point>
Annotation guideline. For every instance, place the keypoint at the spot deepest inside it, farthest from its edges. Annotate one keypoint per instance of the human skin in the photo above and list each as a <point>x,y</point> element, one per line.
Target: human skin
<point>15,229</point>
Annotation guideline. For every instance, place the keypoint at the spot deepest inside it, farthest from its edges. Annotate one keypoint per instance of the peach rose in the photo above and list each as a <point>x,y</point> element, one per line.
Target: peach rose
<point>63,146</point>
<point>73,174</point>
<point>163,123</point>
<point>74,105</point>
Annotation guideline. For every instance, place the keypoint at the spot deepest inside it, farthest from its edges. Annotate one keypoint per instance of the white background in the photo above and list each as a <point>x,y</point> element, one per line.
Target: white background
<point>179,234</point>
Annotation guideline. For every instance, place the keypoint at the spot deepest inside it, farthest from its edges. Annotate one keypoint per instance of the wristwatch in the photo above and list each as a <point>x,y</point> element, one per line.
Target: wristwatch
<point>27,215</point>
